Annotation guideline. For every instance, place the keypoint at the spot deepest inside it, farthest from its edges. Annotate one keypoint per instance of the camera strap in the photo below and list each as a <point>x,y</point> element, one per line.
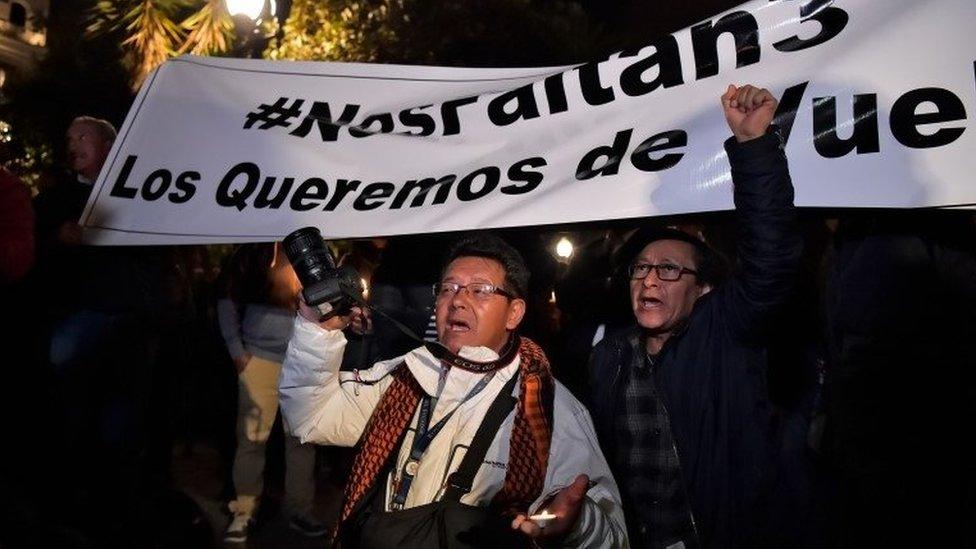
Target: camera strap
<point>441,352</point>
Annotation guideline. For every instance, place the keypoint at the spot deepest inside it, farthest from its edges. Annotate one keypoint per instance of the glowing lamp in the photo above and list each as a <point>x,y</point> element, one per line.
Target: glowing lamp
<point>252,9</point>
<point>564,248</point>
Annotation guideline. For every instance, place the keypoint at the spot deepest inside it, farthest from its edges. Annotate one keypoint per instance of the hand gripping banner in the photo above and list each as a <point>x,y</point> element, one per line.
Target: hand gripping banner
<point>876,103</point>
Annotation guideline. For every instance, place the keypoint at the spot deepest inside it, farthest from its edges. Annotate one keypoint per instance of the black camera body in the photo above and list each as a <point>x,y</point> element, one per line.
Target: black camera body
<point>330,289</point>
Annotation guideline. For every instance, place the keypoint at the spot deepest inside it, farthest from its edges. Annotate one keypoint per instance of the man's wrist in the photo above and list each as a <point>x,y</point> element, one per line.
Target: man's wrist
<point>772,129</point>
<point>771,141</point>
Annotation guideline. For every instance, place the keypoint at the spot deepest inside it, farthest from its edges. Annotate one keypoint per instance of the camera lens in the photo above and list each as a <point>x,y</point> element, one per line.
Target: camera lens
<point>309,255</point>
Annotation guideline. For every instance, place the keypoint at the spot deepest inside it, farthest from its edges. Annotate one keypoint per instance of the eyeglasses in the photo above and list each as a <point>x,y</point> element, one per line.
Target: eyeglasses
<point>667,272</point>
<point>478,290</point>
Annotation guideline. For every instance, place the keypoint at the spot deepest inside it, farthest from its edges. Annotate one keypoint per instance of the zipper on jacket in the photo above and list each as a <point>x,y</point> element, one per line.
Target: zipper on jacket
<point>614,388</point>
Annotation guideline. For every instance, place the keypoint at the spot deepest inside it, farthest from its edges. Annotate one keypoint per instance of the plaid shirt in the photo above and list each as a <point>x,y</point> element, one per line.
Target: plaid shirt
<point>651,483</point>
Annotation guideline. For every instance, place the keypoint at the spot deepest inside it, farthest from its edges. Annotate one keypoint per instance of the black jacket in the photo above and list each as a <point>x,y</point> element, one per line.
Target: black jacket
<point>711,375</point>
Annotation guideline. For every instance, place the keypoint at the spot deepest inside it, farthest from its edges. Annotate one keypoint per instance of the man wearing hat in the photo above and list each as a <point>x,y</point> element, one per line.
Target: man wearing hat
<point>679,400</point>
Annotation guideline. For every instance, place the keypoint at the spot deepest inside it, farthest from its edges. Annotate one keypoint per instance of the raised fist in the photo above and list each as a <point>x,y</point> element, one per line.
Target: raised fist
<point>748,110</point>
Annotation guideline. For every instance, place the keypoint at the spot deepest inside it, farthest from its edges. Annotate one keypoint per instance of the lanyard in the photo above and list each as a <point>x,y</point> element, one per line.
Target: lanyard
<point>422,439</point>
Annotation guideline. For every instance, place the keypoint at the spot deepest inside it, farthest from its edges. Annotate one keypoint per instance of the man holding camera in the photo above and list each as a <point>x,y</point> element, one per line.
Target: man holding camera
<point>679,400</point>
<point>476,447</point>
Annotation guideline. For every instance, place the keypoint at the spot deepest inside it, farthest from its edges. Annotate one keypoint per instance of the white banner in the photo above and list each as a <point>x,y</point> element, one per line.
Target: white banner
<point>876,103</point>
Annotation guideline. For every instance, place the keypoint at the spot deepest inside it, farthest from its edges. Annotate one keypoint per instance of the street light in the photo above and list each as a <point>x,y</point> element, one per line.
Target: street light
<point>252,9</point>
<point>251,32</point>
<point>564,248</point>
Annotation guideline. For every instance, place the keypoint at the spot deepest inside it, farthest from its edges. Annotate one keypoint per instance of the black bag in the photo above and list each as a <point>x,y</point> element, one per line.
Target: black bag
<point>445,524</point>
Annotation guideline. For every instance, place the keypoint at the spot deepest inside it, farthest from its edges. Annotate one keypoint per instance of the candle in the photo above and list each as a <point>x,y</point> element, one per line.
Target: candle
<point>543,518</point>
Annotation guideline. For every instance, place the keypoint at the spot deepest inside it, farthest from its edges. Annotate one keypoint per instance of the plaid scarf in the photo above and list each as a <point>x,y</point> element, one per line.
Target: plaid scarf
<point>529,449</point>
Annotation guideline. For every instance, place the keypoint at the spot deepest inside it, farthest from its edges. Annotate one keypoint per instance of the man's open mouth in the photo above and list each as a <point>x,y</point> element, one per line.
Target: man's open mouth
<point>456,325</point>
<point>650,302</point>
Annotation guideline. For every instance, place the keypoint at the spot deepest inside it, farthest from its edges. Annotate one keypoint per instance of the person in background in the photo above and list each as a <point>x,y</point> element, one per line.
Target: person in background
<point>16,228</point>
<point>88,141</point>
<point>255,314</point>
<point>401,288</point>
<point>24,484</point>
<point>104,308</point>
<point>900,308</point>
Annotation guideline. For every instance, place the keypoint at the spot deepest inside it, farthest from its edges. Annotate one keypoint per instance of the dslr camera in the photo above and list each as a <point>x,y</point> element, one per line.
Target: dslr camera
<point>330,289</point>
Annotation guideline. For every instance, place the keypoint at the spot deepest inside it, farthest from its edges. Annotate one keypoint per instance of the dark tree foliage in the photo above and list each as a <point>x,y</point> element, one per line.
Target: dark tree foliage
<point>497,33</point>
<point>77,76</point>
<point>500,33</point>
<point>635,23</point>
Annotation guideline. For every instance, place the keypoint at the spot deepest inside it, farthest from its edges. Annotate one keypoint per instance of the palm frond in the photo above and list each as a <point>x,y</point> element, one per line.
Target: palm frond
<point>211,30</point>
<point>153,37</point>
<point>151,34</point>
<point>103,17</point>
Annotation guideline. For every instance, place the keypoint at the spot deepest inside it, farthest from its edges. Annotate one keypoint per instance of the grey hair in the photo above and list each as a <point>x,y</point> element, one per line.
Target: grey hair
<point>104,128</point>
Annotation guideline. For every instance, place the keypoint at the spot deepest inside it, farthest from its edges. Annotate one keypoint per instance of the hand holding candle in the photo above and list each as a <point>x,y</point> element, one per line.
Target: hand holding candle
<point>558,517</point>
<point>361,321</point>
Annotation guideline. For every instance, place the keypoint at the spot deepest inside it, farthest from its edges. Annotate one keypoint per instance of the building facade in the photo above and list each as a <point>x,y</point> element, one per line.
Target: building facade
<point>23,35</point>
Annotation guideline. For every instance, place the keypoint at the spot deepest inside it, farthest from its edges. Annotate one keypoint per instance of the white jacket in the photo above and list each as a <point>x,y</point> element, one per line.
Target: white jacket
<point>326,406</point>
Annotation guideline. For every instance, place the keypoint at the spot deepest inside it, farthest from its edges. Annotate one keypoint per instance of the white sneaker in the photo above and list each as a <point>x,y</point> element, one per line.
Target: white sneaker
<point>237,529</point>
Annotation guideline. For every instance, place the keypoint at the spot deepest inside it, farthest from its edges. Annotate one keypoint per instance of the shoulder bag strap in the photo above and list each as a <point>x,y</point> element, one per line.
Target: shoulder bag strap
<point>459,482</point>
